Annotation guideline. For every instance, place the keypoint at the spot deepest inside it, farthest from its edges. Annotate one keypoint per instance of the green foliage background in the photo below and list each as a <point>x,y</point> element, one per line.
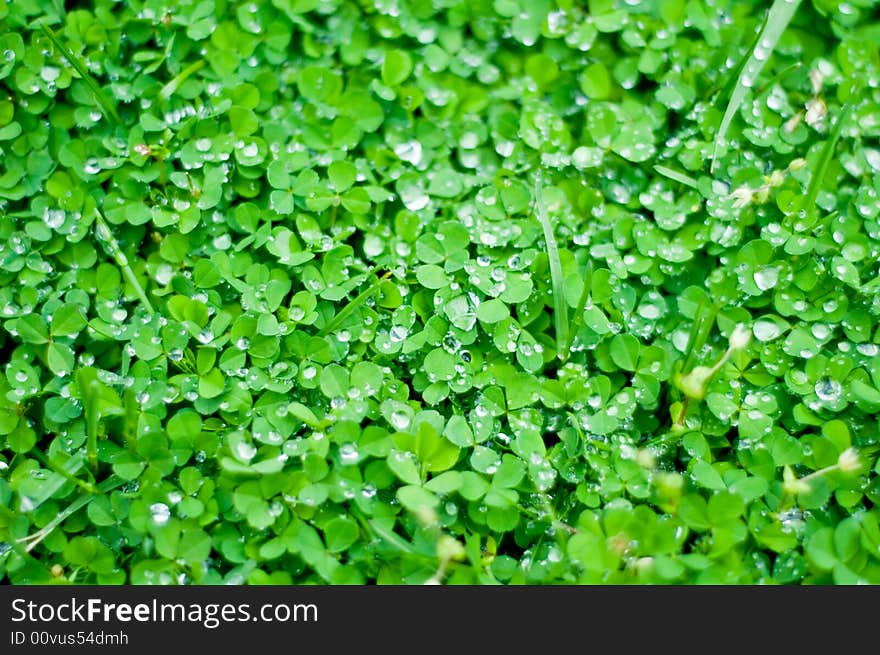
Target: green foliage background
<point>278,307</point>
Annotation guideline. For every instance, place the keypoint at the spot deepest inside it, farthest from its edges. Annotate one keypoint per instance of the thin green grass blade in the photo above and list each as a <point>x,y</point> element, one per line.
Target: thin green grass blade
<point>579,311</point>
<point>169,89</point>
<point>729,85</point>
<point>777,20</point>
<point>560,307</point>
<point>781,75</point>
<point>111,245</point>
<point>678,176</point>
<point>100,97</point>
<point>56,480</point>
<point>692,338</point>
<point>391,537</point>
<point>88,386</point>
<point>699,334</point>
<point>824,160</point>
<point>346,311</point>
<point>32,540</point>
<point>62,471</point>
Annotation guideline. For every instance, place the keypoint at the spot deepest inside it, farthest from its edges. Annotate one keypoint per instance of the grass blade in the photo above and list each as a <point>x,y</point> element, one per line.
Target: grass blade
<point>346,311</point>
<point>579,311</point>
<point>777,20</point>
<point>169,89</point>
<point>89,389</point>
<point>391,537</point>
<point>60,469</point>
<point>32,540</point>
<point>54,482</point>
<point>678,176</point>
<point>560,307</point>
<point>106,106</point>
<point>105,235</point>
<point>701,328</point>
<point>822,164</point>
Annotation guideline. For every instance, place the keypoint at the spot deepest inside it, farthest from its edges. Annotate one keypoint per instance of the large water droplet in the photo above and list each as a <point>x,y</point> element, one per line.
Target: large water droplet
<point>766,330</point>
<point>411,152</point>
<point>400,420</point>
<point>868,349</point>
<point>349,454</point>
<point>398,333</point>
<point>160,513</point>
<point>766,278</point>
<point>245,451</point>
<point>828,390</point>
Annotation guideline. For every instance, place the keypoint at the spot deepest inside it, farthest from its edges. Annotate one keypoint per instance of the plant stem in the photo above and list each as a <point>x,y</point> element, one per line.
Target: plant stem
<point>820,472</point>
<point>684,409</point>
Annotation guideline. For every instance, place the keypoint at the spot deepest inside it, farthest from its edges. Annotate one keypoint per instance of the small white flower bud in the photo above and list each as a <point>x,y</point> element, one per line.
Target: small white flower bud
<point>740,337</point>
<point>449,548</point>
<point>742,196</point>
<point>791,124</point>
<point>816,112</point>
<point>776,178</point>
<point>795,487</point>
<point>816,80</point>
<point>694,384</point>
<point>644,564</point>
<point>849,460</point>
<point>646,459</point>
<point>426,515</point>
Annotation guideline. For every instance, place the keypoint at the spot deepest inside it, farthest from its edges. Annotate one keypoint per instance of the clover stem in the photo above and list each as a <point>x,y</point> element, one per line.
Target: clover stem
<point>437,578</point>
<point>334,209</point>
<point>105,235</point>
<point>820,472</point>
<point>684,409</point>
<point>92,414</point>
<point>721,362</point>
<point>92,450</point>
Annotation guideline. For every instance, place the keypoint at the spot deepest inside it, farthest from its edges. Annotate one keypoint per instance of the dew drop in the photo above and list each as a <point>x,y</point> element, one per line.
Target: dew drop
<point>766,278</point>
<point>400,420</point>
<point>828,390</point>
<point>160,513</point>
